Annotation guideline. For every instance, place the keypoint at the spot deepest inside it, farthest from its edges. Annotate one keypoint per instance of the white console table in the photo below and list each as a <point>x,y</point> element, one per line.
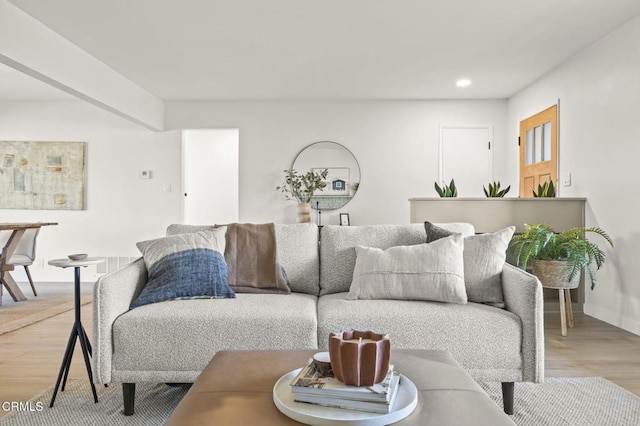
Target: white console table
<point>492,214</point>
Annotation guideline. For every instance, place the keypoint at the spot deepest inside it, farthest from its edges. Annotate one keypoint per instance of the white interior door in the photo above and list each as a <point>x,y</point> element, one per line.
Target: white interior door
<point>210,176</point>
<point>466,156</point>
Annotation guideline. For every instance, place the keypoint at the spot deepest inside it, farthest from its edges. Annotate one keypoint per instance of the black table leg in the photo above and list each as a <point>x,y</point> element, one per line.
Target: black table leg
<point>77,332</point>
<point>66,362</point>
<point>66,371</point>
<point>87,363</point>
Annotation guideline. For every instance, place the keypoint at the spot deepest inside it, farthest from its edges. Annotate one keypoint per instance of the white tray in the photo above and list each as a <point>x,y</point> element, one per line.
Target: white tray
<point>310,414</point>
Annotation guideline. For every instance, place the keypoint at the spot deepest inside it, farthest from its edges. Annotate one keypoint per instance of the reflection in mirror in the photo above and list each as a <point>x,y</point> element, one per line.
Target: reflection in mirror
<point>343,178</point>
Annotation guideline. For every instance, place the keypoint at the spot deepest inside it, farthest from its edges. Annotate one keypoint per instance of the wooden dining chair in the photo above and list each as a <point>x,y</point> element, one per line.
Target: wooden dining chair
<point>25,253</point>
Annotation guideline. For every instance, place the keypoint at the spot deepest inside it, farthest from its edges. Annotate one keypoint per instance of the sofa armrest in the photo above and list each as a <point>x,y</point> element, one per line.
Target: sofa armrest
<point>523,296</point>
<point>112,295</point>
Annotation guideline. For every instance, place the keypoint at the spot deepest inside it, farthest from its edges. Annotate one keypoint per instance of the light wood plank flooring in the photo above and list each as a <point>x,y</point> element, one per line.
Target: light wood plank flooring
<point>30,357</point>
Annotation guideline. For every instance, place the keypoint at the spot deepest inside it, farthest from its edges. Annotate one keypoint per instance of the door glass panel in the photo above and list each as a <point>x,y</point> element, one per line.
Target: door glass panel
<point>547,141</point>
<point>537,138</point>
<point>528,149</point>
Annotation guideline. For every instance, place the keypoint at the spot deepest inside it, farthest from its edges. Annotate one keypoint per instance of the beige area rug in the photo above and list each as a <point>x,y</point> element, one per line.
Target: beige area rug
<point>17,315</point>
<point>591,401</point>
<point>75,406</point>
<point>569,401</point>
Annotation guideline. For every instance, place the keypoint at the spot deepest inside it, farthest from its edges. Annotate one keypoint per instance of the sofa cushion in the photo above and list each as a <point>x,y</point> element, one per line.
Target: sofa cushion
<point>184,266</point>
<point>484,257</point>
<point>338,254</point>
<point>145,339</point>
<point>420,272</point>
<point>487,341</point>
<point>297,253</point>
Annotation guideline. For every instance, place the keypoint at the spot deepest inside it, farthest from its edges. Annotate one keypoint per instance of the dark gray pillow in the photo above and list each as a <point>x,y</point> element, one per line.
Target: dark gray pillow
<point>435,232</point>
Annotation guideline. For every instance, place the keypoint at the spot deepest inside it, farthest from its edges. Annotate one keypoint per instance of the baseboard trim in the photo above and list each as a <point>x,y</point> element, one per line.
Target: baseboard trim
<point>615,318</point>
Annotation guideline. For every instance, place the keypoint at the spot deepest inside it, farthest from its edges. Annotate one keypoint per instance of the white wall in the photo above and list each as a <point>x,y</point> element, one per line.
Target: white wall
<point>121,209</point>
<point>599,92</point>
<point>395,142</point>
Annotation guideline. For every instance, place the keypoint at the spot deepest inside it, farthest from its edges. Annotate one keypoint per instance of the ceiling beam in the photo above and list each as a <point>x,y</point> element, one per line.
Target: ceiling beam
<point>32,48</point>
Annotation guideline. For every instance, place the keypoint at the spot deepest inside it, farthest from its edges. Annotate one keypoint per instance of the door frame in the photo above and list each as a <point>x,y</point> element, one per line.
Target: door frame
<point>183,186</point>
<point>556,152</point>
<point>444,127</point>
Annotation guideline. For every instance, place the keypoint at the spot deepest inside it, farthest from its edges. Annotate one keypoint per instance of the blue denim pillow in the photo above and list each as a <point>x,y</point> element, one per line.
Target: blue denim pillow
<point>185,267</point>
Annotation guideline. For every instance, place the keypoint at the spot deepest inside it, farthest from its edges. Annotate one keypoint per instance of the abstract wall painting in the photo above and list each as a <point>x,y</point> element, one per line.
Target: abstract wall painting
<point>42,175</point>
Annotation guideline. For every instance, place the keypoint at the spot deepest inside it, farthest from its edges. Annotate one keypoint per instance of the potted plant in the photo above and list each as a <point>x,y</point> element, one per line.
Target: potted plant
<point>446,191</point>
<point>495,191</point>
<point>546,190</point>
<point>558,258</point>
<point>301,187</point>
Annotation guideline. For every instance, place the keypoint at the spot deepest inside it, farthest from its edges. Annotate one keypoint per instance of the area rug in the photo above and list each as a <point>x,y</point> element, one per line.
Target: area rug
<point>563,401</point>
<point>75,407</point>
<point>34,309</point>
<point>591,401</point>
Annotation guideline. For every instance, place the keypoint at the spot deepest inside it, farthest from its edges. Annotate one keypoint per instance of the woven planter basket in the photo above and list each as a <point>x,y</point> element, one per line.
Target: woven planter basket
<point>554,273</point>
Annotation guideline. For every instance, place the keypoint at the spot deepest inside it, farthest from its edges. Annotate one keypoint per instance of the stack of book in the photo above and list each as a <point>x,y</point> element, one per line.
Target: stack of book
<point>319,387</point>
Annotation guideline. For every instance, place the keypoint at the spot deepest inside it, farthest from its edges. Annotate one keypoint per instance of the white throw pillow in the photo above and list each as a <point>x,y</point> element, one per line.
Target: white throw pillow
<point>433,271</point>
<point>484,257</point>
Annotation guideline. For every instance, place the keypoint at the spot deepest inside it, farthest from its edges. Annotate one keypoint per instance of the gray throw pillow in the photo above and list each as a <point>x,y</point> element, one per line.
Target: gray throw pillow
<point>185,266</point>
<point>435,232</point>
<point>484,257</point>
<point>432,271</point>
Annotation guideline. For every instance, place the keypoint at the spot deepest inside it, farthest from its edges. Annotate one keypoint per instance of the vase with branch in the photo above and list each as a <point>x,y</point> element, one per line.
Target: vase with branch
<point>301,187</point>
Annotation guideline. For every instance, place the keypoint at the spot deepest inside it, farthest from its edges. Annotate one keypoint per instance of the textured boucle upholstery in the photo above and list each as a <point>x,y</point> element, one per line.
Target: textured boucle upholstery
<point>337,247</point>
<point>523,296</point>
<point>480,337</point>
<point>182,336</point>
<point>172,341</point>
<point>297,253</point>
<point>112,295</point>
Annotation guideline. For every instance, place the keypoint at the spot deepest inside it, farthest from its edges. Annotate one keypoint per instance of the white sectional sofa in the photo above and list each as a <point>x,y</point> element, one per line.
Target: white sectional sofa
<point>173,341</point>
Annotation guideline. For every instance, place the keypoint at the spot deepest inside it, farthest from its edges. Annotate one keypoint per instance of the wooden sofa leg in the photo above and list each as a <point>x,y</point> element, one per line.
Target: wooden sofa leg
<point>507,397</point>
<point>129,396</point>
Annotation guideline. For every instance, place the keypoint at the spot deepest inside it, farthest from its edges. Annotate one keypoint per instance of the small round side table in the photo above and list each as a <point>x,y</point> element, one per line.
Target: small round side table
<point>77,331</point>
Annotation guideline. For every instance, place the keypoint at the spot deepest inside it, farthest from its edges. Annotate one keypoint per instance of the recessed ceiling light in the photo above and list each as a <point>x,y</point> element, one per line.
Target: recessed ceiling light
<point>463,82</point>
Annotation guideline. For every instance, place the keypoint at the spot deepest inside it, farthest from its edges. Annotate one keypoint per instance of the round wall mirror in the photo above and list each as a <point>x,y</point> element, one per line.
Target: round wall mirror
<point>343,177</point>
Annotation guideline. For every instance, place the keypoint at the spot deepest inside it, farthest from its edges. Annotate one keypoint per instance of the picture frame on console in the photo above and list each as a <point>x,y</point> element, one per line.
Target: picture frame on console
<point>344,219</point>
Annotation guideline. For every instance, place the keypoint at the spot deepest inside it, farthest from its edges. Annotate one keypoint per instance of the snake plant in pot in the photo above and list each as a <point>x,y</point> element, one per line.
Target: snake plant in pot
<point>557,259</point>
<point>446,191</point>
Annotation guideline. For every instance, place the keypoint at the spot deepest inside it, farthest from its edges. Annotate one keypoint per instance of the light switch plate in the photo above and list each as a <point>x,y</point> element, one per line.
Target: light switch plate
<point>566,179</point>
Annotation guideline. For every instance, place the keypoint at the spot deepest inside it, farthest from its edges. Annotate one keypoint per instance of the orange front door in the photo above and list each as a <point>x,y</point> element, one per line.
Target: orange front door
<point>538,151</point>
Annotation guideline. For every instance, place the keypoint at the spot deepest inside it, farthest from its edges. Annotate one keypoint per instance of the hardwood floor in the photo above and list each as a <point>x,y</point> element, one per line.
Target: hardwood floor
<point>30,357</point>
<point>592,348</point>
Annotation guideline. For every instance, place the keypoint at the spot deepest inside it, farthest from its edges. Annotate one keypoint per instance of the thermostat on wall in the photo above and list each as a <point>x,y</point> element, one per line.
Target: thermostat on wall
<point>144,174</point>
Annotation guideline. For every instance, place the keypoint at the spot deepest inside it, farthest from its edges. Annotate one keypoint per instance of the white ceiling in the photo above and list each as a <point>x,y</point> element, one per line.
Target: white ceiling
<point>331,49</point>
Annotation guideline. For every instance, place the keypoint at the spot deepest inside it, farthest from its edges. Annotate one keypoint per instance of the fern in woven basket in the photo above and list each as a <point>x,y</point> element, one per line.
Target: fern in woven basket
<point>542,243</point>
